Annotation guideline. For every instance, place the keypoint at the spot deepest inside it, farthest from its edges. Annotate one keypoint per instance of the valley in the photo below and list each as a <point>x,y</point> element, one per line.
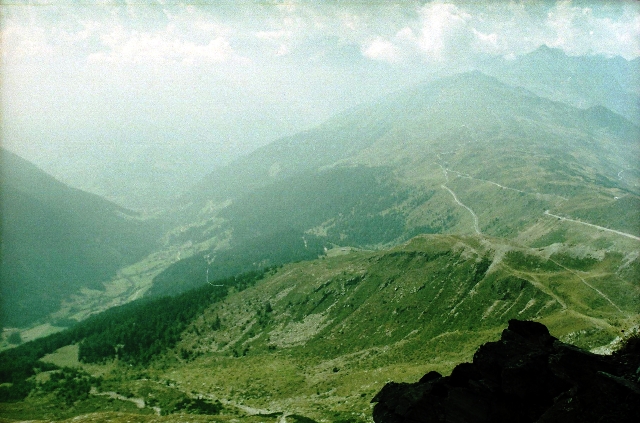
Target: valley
<point>293,284</point>
<point>61,238</point>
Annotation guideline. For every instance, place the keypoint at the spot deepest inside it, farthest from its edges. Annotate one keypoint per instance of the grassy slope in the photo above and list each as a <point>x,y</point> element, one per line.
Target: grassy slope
<point>320,338</point>
<point>506,166</point>
<point>342,326</point>
<point>426,305</point>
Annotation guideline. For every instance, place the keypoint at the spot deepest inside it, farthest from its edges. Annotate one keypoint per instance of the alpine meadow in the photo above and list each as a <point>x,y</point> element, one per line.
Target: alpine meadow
<point>303,212</point>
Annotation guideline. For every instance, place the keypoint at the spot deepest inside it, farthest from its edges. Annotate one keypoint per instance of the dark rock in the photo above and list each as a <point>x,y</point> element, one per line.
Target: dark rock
<point>430,376</point>
<point>526,376</point>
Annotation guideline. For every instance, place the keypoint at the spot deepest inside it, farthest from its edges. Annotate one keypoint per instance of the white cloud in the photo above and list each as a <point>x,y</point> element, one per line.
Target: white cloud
<point>438,32</point>
<point>134,47</point>
<point>407,34</point>
<point>129,34</point>
<point>283,50</point>
<point>380,49</point>
<point>276,40</point>
<point>349,21</point>
<point>22,41</point>
<point>580,30</point>
<point>442,24</point>
<point>487,43</point>
<point>393,32</point>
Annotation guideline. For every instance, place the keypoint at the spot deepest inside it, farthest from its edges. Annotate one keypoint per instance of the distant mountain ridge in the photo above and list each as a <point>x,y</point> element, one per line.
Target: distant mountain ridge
<point>450,107</point>
<point>398,235</point>
<point>582,81</point>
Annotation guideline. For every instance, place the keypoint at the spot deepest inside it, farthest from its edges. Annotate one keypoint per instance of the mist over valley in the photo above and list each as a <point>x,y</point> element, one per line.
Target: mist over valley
<point>282,226</point>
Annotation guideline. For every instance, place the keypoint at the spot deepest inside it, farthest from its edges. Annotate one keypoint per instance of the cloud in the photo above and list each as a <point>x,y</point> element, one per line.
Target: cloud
<point>391,32</point>
<point>437,33</point>
<point>583,30</point>
<point>487,43</point>
<point>22,41</point>
<point>277,40</point>
<point>283,50</point>
<point>149,48</point>
<point>380,49</point>
<point>273,35</point>
<point>131,34</point>
<point>441,25</point>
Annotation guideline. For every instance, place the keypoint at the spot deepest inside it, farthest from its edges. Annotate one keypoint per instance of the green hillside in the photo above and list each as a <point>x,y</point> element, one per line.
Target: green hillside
<point>57,240</point>
<point>319,338</point>
<point>466,154</point>
<point>397,237</point>
<point>462,155</point>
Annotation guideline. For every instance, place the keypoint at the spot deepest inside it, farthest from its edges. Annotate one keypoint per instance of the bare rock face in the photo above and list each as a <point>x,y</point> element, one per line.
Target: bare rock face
<point>526,376</point>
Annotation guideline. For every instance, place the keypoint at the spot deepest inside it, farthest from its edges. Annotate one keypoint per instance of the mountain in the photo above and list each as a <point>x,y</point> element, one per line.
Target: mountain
<point>57,241</point>
<point>467,154</point>
<point>391,241</point>
<point>582,81</point>
<point>464,154</point>
<point>444,111</point>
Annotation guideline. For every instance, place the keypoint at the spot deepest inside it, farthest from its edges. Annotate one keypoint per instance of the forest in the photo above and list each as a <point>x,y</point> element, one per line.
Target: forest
<point>134,333</point>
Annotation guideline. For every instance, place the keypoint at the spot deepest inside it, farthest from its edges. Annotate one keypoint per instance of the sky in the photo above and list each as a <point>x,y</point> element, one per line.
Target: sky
<point>137,100</point>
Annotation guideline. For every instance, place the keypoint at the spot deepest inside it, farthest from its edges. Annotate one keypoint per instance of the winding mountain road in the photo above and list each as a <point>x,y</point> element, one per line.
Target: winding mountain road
<point>464,175</point>
<point>475,217</point>
<point>602,228</point>
<point>590,286</point>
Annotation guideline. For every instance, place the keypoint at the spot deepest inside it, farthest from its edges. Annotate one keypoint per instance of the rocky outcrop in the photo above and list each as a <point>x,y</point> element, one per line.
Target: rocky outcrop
<point>526,376</point>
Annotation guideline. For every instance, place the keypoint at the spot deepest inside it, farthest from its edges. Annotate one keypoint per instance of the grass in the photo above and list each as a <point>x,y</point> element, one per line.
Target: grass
<point>318,339</point>
<point>395,315</point>
<point>64,357</point>
<point>509,190</point>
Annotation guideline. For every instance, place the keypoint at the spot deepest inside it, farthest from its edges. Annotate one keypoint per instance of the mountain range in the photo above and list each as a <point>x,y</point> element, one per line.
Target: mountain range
<point>465,154</point>
<point>389,241</point>
<point>582,81</point>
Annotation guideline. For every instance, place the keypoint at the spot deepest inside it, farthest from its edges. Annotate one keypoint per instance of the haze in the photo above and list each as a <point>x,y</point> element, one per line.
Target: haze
<point>137,102</point>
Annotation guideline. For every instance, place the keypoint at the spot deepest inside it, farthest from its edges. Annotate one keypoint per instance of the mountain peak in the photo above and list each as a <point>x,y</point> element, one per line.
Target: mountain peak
<point>474,75</point>
<point>470,80</point>
<point>546,51</point>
